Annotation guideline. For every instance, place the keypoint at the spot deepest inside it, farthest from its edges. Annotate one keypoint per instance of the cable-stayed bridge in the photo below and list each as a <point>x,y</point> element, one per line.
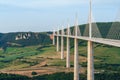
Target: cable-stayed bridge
<point>91,33</point>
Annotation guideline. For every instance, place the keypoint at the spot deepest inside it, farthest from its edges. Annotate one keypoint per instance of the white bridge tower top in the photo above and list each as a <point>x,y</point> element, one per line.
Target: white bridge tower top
<point>90,20</point>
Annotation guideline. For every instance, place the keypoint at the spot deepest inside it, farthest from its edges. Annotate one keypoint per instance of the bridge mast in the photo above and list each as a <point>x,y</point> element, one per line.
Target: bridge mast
<point>90,66</point>
<point>90,20</point>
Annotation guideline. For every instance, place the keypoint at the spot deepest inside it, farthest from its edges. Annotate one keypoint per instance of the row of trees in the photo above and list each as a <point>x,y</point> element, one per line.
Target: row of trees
<point>61,76</point>
<point>13,77</point>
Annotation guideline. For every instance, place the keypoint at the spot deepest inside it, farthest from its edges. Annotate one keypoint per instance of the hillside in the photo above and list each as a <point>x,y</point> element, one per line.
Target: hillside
<point>32,38</point>
<point>45,60</point>
<point>41,57</point>
<point>20,39</point>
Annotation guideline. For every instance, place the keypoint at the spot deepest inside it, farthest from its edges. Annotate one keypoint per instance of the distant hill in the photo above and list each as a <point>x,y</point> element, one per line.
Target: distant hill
<point>42,38</point>
<point>103,27</point>
<point>24,38</point>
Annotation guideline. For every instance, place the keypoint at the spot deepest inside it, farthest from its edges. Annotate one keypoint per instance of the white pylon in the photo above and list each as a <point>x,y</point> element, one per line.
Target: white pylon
<point>76,26</point>
<point>58,40</point>
<point>62,44</point>
<point>68,48</point>
<point>76,56</point>
<point>90,20</point>
<point>90,68</point>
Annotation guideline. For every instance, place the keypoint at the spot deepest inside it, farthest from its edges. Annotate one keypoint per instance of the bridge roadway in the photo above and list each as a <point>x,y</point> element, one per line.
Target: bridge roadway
<point>110,42</point>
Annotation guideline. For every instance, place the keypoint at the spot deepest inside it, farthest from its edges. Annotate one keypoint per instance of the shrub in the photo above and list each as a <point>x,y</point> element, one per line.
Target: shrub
<point>34,73</point>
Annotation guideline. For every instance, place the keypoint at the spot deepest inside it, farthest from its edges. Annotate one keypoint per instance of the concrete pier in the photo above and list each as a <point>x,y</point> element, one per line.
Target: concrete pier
<point>90,66</point>
<point>68,53</point>
<point>53,37</point>
<point>76,60</point>
<point>62,47</point>
<point>57,41</point>
<point>68,48</point>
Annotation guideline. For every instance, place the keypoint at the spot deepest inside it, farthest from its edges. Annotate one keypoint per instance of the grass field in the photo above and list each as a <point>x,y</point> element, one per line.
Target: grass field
<point>17,58</point>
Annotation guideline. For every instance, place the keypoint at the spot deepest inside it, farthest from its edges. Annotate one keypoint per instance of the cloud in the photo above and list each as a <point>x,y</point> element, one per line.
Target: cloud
<point>38,4</point>
<point>41,3</point>
<point>52,3</point>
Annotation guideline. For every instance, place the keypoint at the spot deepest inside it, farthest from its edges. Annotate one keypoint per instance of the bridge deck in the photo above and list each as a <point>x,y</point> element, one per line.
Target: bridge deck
<point>111,42</point>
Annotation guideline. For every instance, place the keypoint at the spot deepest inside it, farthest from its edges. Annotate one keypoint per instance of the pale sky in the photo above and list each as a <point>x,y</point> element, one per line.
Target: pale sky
<point>46,15</point>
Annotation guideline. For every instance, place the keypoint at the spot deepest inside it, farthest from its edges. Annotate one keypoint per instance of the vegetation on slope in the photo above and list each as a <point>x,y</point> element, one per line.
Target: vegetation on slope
<point>31,38</point>
<point>61,76</point>
<point>24,39</point>
<point>27,56</point>
<point>13,77</point>
<point>106,57</point>
<point>69,76</point>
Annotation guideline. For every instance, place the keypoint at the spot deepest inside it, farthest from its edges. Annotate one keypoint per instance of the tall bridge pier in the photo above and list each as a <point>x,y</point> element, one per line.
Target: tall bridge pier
<point>90,62</point>
<point>76,60</point>
<point>54,37</point>
<point>57,41</point>
<point>76,55</point>
<point>68,48</point>
<point>90,57</point>
<point>62,44</point>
